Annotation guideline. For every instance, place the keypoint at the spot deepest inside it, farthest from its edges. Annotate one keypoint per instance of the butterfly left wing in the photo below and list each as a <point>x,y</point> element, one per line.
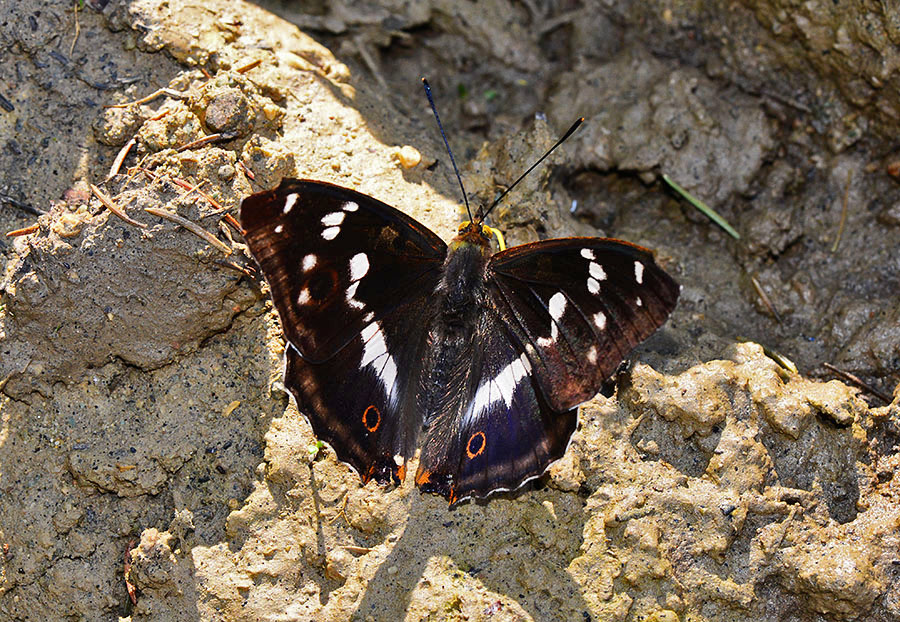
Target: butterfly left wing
<point>504,434</point>
<point>579,306</point>
<point>351,278</point>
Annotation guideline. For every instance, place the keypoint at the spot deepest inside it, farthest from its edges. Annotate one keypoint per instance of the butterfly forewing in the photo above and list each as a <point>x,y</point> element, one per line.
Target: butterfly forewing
<point>580,305</point>
<point>506,433</point>
<point>336,260</point>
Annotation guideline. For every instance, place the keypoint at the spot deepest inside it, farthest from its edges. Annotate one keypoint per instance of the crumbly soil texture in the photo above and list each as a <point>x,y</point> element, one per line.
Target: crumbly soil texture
<point>744,468</point>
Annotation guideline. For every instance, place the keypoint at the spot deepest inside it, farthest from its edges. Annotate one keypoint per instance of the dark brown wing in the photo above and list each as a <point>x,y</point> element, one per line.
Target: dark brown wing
<point>579,306</point>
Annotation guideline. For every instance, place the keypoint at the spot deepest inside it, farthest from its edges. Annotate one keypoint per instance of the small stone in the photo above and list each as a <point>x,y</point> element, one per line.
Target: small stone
<point>225,172</point>
<point>409,157</point>
<point>338,564</point>
<point>228,111</point>
<point>118,125</point>
<point>68,225</point>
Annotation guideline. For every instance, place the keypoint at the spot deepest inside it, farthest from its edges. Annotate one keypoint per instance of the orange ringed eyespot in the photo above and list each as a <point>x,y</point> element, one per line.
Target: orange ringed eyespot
<point>370,425</point>
<point>475,445</point>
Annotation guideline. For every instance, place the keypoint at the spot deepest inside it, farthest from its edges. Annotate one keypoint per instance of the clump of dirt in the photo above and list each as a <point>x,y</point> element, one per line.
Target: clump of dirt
<point>151,467</point>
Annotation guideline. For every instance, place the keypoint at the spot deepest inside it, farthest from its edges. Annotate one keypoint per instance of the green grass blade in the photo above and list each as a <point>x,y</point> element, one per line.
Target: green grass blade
<point>700,205</point>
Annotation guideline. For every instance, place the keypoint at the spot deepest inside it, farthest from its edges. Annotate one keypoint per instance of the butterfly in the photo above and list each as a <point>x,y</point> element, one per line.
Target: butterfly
<point>395,337</point>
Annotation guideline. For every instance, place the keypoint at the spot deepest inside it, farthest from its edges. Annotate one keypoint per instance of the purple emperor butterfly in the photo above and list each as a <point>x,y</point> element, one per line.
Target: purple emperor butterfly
<point>394,336</point>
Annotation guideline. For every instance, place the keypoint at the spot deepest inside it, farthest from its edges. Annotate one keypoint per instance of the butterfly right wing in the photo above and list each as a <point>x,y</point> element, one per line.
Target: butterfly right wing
<point>503,434</point>
<point>579,306</point>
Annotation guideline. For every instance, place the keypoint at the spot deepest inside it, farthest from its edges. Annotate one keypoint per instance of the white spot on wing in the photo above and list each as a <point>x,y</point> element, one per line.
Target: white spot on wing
<point>587,253</point>
<point>351,292</point>
<point>593,285</point>
<point>367,333</point>
<point>388,376</point>
<point>549,341</point>
<point>557,305</point>
<point>369,316</point>
<point>359,265</point>
<point>639,302</point>
<point>597,271</point>
<point>350,206</point>
<point>600,320</point>
<point>374,349</point>
<point>638,272</point>
<point>526,364</point>
<point>333,219</point>
<point>279,228</point>
<point>503,386</point>
<point>309,262</point>
<point>592,355</point>
<point>304,297</point>
<point>331,232</point>
<point>289,202</point>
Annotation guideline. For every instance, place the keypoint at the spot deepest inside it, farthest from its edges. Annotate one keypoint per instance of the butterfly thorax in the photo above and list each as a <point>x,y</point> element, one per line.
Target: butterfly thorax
<point>461,289</point>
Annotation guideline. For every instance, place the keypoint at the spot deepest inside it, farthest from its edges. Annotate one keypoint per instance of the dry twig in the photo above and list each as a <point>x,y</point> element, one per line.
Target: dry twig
<point>211,138</point>
<point>165,91</point>
<point>837,239</point>
<point>858,382</point>
<point>77,30</point>
<point>120,157</point>
<point>129,586</point>
<point>251,65</point>
<point>765,298</point>
<point>194,228</point>
<point>108,203</point>
<point>24,231</point>
<point>192,188</point>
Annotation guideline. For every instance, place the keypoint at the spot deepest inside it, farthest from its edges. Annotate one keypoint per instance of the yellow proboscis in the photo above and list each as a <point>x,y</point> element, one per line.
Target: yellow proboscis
<point>499,235</point>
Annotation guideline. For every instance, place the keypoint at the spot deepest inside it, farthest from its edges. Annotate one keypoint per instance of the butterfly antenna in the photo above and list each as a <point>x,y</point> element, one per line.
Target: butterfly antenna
<point>568,133</point>
<point>446,144</point>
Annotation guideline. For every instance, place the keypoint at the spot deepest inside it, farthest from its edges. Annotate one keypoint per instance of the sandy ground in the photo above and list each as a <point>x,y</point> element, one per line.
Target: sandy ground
<point>151,466</point>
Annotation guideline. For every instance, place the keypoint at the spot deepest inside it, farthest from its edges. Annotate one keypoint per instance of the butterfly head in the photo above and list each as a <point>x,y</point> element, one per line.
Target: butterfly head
<point>478,233</point>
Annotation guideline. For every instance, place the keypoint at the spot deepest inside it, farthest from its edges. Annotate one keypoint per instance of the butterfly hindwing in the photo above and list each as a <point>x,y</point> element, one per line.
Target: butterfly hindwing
<point>579,305</point>
<point>505,434</point>
<point>350,277</point>
<point>336,260</point>
<point>362,400</point>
